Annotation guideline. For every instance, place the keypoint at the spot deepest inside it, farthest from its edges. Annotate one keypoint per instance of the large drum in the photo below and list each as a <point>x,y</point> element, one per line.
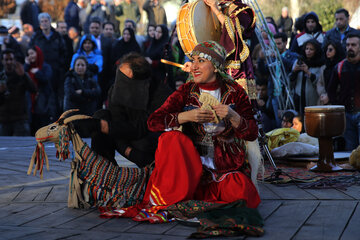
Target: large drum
<point>325,122</point>
<point>196,23</point>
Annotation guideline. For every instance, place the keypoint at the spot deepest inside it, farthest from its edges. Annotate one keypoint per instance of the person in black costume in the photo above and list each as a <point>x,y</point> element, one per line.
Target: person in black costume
<point>123,126</point>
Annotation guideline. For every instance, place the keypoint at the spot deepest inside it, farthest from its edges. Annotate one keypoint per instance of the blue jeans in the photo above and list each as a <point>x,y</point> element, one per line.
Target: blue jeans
<point>17,128</point>
<point>352,131</point>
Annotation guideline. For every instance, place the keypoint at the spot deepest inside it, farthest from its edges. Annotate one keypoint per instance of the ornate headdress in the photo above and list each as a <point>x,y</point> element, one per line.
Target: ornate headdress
<point>215,53</point>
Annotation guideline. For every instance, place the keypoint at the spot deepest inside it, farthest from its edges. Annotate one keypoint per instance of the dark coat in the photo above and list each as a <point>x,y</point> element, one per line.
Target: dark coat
<point>29,13</point>
<point>87,100</point>
<point>45,102</point>
<point>71,15</point>
<point>13,105</point>
<point>53,48</point>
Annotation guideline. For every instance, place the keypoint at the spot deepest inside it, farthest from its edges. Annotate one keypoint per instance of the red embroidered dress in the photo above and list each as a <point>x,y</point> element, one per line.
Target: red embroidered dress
<point>179,174</point>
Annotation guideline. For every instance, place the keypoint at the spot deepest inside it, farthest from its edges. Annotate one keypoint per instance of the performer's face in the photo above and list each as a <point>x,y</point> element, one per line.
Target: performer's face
<point>202,70</point>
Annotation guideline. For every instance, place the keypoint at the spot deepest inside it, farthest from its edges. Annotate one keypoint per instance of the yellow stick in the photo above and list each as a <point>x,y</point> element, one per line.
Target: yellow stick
<point>172,63</point>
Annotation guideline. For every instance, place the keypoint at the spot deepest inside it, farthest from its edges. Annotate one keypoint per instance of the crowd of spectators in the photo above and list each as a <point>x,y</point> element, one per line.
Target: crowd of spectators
<point>321,67</point>
<point>74,65</point>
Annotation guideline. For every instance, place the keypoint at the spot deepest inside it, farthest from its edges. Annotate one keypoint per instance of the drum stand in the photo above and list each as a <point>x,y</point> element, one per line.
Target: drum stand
<point>262,141</point>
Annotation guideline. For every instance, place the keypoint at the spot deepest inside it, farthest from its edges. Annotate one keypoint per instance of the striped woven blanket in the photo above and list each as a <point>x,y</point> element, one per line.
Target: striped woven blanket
<point>104,184</point>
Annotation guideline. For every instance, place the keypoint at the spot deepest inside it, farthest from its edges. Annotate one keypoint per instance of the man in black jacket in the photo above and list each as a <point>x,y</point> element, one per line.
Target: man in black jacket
<point>53,46</point>
<point>344,89</point>
<point>14,83</point>
<point>8,42</point>
<point>104,44</point>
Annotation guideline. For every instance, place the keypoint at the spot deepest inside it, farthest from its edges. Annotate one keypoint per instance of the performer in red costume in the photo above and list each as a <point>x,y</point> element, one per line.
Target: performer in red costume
<point>216,150</point>
<point>203,170</point>
<point>205,161</point>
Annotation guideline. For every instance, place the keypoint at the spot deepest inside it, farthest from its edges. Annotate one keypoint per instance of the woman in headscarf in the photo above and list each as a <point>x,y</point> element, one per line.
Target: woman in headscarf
<point>126,45</point>
<point>150,36</point>
<point>81,90</point>
<point>207,160</point>
<point>43,108</point>
<point>156,51</point>
<point>88,48</point>
<point>334,53</point>
<point>305,75</point>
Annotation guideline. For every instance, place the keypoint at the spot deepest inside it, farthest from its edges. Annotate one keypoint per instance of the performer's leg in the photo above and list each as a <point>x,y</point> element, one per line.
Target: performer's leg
<point>235,186</point>
<point>103,145</point>
<point>177,170</point>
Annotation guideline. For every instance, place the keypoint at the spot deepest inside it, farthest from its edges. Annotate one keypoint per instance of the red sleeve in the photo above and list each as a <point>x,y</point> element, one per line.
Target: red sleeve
<point>247,128</point>
<point>167,115</point>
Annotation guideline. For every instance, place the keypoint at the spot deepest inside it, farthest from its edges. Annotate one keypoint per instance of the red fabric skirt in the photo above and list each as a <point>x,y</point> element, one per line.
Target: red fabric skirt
<point>177,177</point>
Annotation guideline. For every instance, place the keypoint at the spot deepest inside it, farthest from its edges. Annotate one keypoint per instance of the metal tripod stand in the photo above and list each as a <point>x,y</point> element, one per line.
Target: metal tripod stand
<point>279,78</point>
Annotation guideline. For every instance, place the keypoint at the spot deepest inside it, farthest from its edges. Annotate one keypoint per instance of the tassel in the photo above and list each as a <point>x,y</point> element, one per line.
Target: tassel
<point>37,159</point>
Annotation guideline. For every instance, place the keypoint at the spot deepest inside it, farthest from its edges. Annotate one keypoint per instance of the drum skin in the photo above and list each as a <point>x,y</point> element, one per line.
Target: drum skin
<point>325,121</point>
<point>196,23</point>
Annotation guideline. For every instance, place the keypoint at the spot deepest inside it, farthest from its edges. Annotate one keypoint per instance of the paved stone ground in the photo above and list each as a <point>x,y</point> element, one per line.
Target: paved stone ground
<point>31,208</point>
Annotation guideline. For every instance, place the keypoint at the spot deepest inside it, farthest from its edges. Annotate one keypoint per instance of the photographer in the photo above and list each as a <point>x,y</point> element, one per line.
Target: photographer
<point>305,75</point>
<point>14,83</point>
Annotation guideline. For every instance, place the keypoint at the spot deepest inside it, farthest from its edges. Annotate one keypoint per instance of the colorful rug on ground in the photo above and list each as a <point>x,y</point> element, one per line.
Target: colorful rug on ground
<point>212,219</point>
<point>307,178</point>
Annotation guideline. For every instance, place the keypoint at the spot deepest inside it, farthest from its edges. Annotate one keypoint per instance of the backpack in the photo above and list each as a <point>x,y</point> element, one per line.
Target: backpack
<point>339,68</point>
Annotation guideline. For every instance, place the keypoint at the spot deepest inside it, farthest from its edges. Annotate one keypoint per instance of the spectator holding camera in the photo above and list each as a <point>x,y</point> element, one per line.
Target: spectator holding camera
<point>305,75</point>
<point>14,83</point>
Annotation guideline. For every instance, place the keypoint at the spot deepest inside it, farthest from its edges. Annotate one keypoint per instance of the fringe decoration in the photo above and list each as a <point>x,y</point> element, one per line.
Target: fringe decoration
<point>37,159</point>
<point>63,151</point>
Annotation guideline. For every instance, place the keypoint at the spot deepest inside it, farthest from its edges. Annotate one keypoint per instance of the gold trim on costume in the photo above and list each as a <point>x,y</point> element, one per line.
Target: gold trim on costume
<point>228,26</point>
<point>254,17</point>
<point>245,51</point>
<point>238,11</point>
<point>233,64</point>
<point>249,85</point>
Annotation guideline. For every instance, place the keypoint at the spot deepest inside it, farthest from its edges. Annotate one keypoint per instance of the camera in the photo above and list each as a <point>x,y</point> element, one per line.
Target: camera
<point>300,61</point>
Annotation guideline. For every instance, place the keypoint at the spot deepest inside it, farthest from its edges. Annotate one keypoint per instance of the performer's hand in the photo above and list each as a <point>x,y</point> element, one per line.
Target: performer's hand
<point>211,3</point>
<point>196,115</point>
<point>226,112</point>
<point>187,67</point>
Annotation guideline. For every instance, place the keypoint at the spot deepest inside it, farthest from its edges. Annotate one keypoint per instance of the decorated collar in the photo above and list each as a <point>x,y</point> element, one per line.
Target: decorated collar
<point>210,86</point>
